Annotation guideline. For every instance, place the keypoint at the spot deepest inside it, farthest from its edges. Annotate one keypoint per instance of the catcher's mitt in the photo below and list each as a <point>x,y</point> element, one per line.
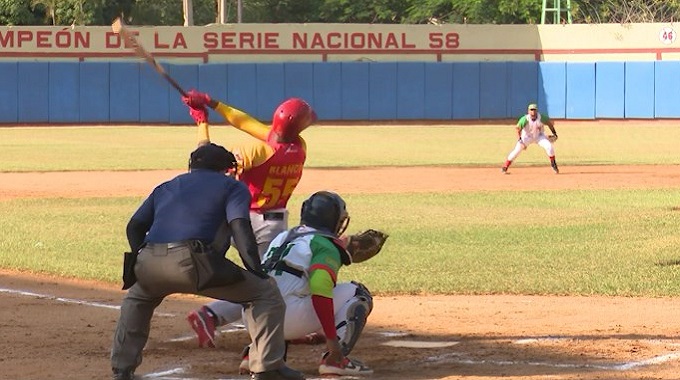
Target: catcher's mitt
<point>552,138</point>
<point>365,244</point>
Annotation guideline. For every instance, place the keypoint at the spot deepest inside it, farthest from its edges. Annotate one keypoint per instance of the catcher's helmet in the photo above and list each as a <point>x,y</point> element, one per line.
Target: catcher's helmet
<point>291,118</point>
<point>212,157</point>
<point>325,211</point>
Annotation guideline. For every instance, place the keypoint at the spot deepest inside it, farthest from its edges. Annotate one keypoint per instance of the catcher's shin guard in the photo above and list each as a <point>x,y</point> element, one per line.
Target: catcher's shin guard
<point>360,306</point>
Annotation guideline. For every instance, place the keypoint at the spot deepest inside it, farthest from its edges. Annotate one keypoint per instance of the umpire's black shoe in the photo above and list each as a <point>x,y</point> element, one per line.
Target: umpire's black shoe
<point>283,373</point>
<point>121,374</point>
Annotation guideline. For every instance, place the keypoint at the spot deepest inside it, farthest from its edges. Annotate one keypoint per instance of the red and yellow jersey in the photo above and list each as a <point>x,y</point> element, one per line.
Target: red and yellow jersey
<point>271,169</point>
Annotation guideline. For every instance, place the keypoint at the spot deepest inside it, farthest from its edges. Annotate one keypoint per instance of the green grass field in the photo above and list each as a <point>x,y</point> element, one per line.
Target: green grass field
<point>622,242</point>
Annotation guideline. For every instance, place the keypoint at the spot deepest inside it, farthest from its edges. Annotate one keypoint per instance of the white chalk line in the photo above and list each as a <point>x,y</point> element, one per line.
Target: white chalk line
<point>168,375</point>
<point>459,358</point>
<point>71,300</point>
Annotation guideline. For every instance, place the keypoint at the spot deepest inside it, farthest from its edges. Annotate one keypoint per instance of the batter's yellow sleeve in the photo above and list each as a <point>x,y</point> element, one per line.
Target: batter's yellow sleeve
<point>244,122</point>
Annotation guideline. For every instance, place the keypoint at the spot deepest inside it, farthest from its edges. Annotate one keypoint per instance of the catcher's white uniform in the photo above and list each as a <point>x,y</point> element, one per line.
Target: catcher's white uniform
<point>304,254</point>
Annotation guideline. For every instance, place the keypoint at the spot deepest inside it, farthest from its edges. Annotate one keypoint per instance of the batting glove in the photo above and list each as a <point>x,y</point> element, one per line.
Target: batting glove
<point>196,99</point>
<point>200,115</point>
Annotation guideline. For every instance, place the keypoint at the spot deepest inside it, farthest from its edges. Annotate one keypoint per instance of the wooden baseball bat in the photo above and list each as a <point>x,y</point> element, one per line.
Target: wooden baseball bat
<point>118,27</point>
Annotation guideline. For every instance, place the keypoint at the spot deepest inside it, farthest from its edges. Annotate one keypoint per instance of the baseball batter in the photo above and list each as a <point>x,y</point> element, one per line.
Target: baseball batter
<point>272,166</point>
<point>530,130</point>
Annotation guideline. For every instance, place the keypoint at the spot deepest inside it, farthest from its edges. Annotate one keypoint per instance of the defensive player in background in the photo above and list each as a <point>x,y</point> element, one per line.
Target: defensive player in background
<point>271,167</point>
<point>305,262</point>
<point>530,130</point>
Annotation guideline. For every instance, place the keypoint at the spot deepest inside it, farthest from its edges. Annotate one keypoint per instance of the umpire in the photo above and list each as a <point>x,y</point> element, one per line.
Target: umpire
<point>173,237</point>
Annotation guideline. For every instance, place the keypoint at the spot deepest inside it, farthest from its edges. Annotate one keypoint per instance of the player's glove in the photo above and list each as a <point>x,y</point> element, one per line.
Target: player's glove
<point>552,138</point>
<point>365,244</point>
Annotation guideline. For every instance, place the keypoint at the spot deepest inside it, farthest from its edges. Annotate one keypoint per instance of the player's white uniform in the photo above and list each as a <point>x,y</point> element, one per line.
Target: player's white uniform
<point>301,318</point>
<point>533,131</point>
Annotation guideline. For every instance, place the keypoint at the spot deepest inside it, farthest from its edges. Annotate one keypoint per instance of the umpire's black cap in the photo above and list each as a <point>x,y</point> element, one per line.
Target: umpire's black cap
<point>212,157</point>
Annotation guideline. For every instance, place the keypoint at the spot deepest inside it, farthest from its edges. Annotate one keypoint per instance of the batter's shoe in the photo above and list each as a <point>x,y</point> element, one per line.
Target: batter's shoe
<point>348,367</point>
<point>203,325</point>
<point>504,170</point>
<point>244,367</point>
<point>283,373</point>
<point>120,374</point>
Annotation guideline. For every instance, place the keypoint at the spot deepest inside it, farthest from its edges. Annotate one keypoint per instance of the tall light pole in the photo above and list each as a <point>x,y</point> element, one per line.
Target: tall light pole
<point>239,11</point>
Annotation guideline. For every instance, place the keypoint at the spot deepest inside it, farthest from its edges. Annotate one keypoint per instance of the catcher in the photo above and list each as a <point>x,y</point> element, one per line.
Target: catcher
<point>305,262</point>
<point>530,130</point>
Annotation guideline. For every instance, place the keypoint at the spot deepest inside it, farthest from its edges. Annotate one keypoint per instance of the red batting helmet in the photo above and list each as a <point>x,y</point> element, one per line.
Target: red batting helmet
<point>292,117</point>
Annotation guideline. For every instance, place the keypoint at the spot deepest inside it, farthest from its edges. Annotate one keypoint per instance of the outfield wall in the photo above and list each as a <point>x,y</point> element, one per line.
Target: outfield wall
<point>131,92</point>
<point>346,71</point>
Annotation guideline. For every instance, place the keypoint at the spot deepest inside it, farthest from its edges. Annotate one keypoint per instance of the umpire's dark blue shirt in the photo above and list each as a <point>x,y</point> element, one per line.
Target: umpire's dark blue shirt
<point>193,206</point>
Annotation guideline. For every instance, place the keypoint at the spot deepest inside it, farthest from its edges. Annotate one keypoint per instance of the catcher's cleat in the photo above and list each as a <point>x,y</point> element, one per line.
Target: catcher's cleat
<point>348,367</point>
<point>203,325</point>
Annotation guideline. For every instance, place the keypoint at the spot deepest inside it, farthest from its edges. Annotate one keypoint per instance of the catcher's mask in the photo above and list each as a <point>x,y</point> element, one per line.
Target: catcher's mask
<point>292,117</point>
<point>325,211</point>
<point>212,157</point>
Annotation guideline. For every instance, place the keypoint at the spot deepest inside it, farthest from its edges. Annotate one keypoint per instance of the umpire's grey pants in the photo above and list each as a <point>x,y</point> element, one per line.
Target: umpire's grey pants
<point>161,272</point>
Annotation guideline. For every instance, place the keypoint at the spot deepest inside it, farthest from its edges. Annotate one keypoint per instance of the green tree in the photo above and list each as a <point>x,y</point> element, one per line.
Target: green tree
<point>14,12</point>
<point>364,11</point>
<point>475,12</point>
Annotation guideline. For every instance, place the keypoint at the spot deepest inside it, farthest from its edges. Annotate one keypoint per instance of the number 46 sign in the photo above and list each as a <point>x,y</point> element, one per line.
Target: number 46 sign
<point>667,36</point>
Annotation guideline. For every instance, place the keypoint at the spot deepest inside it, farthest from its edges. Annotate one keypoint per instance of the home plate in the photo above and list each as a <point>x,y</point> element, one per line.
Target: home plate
<point>418,344</point>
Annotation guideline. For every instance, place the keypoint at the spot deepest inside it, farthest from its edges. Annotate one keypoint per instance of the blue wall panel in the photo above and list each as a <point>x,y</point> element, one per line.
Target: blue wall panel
<point>187,77</point>
<point>410,90</point>
<point>153,96</point>
<point>94,92</point>
<point>299,81</point>
<point>355,101</point>
<point>465,90</point>
<point>438,85</point>
<point>382,91</point>
<point>493,90</point>
<point>271,89</point>
<point>132,92</point>
<point>666,89</point>
<point>609,90</point>
<point>33,92</point>
<point>328,90</point>
<point>213,80</point>
<point>552,89</point>
<point>64,92</point>
<point>8,92</point>
<point>639,90</point>
<point>522,87</point>
<point>124,92</point>
<point>242,92</point>
<point>581,90</point>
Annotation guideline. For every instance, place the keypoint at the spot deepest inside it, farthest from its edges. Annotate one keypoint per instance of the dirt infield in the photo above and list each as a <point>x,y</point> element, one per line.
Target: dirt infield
<point>53,328</point>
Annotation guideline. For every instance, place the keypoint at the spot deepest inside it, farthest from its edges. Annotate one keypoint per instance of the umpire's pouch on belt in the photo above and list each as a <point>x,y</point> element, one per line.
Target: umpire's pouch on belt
<point>213,269</point>
<point>129,261</point>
